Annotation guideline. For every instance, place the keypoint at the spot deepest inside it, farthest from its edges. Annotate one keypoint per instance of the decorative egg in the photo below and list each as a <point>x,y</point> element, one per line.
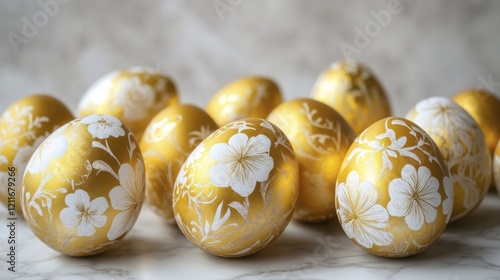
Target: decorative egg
<point>483,106</point>
<point>236,191</point>
<point>169,138</point>
<point>353,91</point>
<point>133,95</point>
<point>23,126</point>
<point>250,97</point>
<point>84,186</point>
<point>320,138</point>
<point>463,146</point>
<point>394,195</point>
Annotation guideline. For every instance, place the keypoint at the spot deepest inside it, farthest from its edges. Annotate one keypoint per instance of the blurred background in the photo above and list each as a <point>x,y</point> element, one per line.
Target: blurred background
<point>416,48</point>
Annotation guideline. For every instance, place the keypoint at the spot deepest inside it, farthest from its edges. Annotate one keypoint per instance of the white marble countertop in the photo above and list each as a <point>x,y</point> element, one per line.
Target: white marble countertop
<point>469,249</point>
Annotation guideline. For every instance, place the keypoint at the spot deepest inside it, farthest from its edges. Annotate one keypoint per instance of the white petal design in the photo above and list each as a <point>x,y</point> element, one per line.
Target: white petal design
<point>135,98</point>
<point>103,126</point>
<point>128,198</point>
<point>241,163</point>
<point>361,218</point>
<point>54,146</point>
<point>82,213</point>
<point>414,196</point>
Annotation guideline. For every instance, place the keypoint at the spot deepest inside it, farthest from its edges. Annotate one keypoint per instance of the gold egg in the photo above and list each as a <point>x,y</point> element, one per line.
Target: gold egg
<point>84,186</point>
<point>23,126</point>
<point>483,106</point>
<point>320,138</point>
<point>463,147</point>
<point>353,91</point>
<point>250,97</point>
<point>168,140</point>
<point>236,191</point>
<point>134,95</point>
<point>394,195</point>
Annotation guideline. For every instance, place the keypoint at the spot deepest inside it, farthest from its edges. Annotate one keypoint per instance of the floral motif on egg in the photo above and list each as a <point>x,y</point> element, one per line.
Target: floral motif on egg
<point>95,205</point>
<point>463,146</point>
<point>228,189</point>
<point>394,196</point>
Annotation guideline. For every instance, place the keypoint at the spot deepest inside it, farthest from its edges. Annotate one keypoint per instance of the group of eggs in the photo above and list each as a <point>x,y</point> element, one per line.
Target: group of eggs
<point>232,177</point>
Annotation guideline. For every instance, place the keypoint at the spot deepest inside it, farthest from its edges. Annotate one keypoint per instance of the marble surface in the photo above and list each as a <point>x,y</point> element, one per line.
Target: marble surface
<point>468,249</point>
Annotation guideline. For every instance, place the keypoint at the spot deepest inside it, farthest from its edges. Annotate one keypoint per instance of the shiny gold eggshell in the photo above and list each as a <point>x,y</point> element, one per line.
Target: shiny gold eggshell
<point>353,91</point>
<point>394,195</point>
<point>84,186</point>
<point>250,97</point>
<point>237,190</point>
<point>483,106</point>
<point>23,126</point>
<point>133,95</point>
<point>168,140</point>
<point>463,146</point>
<point>320,138</point>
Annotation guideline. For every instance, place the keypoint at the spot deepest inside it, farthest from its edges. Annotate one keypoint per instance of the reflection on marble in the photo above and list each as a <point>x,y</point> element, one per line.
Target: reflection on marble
<point>469,249</point>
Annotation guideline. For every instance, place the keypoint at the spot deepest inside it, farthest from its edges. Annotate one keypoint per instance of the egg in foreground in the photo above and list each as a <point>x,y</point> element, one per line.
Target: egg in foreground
<point>236,191</point>
<point>394,195</point>
<point>320,138</point>
<point>84,186</point>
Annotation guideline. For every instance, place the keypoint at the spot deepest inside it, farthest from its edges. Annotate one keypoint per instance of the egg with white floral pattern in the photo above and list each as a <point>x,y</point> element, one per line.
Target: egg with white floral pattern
<point>248,97</point>
<point>134,95</point>
<point>237,190</point>
<point>169,139</point>
<point>320,138</point>
<point>23,126</point>
<point>394,195</point>
<point>84,186</point>
<point>353,90</point>
<point>464,148</point>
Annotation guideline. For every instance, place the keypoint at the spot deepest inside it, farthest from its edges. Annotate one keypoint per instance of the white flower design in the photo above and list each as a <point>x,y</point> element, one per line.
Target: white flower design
<point>241,163</point>
<point>135,97</point>
<point>103,126</point>
<point>23,156</point>
<point>440,112</point>
<point>448,202</point>
<point>54,146</point>
<point>414,196</point>
<point>83,213</point>
<point>128,198</point>
<point>361,218</point>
